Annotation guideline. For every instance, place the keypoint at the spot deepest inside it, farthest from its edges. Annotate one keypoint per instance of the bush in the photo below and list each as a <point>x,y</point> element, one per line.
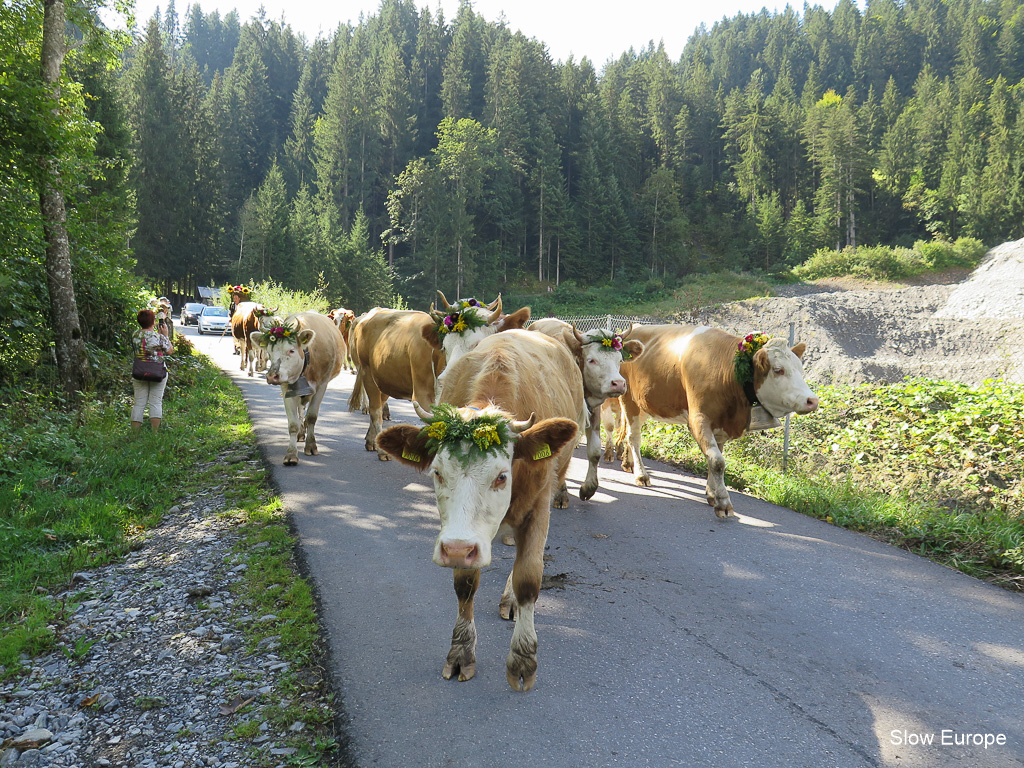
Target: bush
<point>880,262</point>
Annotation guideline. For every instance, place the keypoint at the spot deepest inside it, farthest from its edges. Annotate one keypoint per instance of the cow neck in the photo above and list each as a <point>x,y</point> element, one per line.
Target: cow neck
<point>305,361</point>
<point>748,390</point>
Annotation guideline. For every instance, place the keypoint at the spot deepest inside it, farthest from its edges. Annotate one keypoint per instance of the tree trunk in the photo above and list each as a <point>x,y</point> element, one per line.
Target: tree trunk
<point>69,346</point>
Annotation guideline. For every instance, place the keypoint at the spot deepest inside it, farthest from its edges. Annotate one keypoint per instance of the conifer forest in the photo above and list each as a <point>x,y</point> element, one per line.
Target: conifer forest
<point>413,152</point>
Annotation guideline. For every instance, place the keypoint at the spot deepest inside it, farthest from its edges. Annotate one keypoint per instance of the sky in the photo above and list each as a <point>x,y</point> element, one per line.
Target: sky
<point>598,29</point>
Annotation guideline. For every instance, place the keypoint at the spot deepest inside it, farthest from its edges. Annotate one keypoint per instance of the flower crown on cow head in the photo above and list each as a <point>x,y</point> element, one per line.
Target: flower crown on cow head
<point>466,439</point>
<point>283,332</point>
<point>241,290</point>
<point>459,320</point>
<point>748,346</point>
<point>609,340</point>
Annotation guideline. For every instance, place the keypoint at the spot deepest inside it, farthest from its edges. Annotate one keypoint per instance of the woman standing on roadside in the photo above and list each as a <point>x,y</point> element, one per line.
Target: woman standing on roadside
<point>153,345</point>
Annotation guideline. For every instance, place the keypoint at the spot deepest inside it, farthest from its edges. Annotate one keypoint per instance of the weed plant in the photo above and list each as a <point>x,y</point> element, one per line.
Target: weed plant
<point>880,262</point>
<point>932,466</point>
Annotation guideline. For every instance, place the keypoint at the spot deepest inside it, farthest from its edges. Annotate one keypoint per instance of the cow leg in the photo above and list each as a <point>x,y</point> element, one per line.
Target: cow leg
<point>375,404</point>
<point>717,493</point>
<point>521,664</point>
<point>589,487</point>
<point>608,413</point>
<point>632,461</point>
<point>312,412</point>
<point>250,355</point>
<point>292,410</point>
<point>462,655</point>
<point>243,350</point>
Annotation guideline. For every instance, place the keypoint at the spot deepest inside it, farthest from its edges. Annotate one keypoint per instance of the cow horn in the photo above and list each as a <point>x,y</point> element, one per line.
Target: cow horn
<point>626,334</point>
<point>522,426</point>
<point>577,334</point>
<point>422,412</point>
<point>494,303</point>
<point>444,302</point>
<point>497,311</point>
<point>436,316</point>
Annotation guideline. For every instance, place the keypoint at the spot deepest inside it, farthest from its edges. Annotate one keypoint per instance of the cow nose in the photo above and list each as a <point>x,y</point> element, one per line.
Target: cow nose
<point>618,386</point>
<point>812,404</point>
<point>459,554</point>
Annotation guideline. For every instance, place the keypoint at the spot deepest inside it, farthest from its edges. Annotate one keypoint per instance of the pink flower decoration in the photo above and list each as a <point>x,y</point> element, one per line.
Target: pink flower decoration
<point>448,321</point>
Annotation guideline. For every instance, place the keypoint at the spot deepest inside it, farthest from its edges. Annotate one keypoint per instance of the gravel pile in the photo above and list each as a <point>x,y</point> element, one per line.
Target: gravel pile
<point>169,670</point>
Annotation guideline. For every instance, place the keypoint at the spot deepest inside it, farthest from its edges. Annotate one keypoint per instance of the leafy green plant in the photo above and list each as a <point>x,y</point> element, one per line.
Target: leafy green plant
<point>934,466</point>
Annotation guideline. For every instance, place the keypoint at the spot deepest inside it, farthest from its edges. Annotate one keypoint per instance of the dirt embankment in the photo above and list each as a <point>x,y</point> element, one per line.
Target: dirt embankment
<point>967,331</point>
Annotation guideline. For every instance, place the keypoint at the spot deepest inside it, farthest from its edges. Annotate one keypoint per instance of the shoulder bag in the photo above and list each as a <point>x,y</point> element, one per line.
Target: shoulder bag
<point>148,370</point>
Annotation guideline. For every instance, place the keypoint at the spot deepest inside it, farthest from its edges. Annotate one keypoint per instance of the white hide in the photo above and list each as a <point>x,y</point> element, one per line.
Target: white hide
<point>785,390</point>
<point>472,501</point>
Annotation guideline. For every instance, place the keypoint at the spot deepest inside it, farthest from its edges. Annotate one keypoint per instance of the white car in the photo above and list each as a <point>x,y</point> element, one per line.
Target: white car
<point>213,320</point>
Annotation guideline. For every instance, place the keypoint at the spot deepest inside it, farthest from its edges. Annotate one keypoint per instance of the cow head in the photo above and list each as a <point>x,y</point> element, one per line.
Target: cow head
<point>474,457</point>
<point>600,352</point>
<point>779,379</point>
<point>459,327</point>
<point>286,351</point>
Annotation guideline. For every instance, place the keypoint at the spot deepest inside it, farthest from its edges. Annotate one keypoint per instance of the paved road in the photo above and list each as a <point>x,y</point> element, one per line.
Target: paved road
<point>668,637</point>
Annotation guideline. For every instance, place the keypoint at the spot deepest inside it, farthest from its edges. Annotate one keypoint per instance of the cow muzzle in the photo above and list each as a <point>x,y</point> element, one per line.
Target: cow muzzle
<point>459,554</point>
<point>617,388</point>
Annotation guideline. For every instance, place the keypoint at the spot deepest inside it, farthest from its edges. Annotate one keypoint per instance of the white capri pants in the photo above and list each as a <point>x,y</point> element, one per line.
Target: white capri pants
<point>151,392</point>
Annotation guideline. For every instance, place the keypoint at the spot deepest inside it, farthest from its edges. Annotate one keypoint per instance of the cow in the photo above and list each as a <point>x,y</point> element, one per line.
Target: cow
<point>598,354</point>
<point>265,320</point>
<point>344,319</point>
<point>711,381</point>
<point>305,354</point>
<point>244,320</point>
<point>401,353</point>
<point>496,450</point>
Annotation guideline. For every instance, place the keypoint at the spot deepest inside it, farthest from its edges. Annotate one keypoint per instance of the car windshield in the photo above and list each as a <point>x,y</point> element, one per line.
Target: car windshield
<point>215,311</point>
<point>194,307</point>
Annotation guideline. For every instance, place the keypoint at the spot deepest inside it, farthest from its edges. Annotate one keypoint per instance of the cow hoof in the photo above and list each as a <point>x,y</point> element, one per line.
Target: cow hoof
<point>644,481</point>
<point>310,450</point>
<point>561,500</point>
<point>508,539</point>
<point>290,461</point>
<point>383,456</point>
<point>250,374</point>
<point>726,514</point>
<point>521,671</point>
<point>465,671</point>
<point>627,467</point>
<point>587,492</point>
<point>507,609</point>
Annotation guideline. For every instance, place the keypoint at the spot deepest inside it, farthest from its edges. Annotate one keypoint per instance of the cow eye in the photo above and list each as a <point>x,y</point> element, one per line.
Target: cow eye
<point>438,477</point>
<point>500,481</point>
<point>780,371</point>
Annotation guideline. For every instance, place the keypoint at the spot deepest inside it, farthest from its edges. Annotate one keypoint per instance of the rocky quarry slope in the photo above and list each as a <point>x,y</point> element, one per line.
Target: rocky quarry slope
<point>968,331</point>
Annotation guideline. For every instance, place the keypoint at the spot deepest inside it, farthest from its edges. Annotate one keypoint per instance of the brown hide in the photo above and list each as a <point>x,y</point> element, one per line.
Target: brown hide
<point>325,350</point>
<point>391,354</point>
<point>679,372</point>
<point>522,373</point>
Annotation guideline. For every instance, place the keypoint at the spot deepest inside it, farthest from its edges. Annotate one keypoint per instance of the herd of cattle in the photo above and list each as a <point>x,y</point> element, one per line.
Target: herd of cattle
<point>504,408</point>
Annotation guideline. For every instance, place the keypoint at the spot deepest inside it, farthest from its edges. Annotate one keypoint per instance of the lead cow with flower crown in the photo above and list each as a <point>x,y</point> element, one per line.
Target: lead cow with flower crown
<point>710,381</point>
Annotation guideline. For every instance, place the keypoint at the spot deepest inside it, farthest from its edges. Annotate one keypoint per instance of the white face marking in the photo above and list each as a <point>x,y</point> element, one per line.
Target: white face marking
<point>601,376</point>
<point>455,345</point>
<point>784,390</point>
<point>472,500</point>
<point>286,360</point>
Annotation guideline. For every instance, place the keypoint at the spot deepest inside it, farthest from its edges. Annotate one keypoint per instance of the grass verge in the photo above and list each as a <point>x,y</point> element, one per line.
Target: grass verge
<point>936,468</point>
<point>77,490</point>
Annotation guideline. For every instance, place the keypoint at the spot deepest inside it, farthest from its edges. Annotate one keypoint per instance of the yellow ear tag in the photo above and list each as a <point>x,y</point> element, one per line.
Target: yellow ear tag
<point>543,452</point>
<point>410,456</point>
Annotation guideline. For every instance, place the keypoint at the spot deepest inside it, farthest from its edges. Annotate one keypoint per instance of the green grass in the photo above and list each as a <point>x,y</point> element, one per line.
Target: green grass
<point>934,467</point>
<point>76,489</point>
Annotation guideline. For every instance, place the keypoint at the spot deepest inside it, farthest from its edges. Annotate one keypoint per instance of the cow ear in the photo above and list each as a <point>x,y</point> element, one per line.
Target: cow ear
<point>544,440</point>
<point>799,350</point>
<point>305,336</point>
<point>258,338</point>
<point>517,320</point>
<point>432,336</point>
<point>761,362</point>
<point>403,441</point>
<point>633,348</point>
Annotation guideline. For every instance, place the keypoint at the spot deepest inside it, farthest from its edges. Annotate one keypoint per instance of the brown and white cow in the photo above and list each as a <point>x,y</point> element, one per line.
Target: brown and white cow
<point>247,318</point>
<point>305,350</point>
<point>598,354</point>
<point>399,353</point>
<point>523,381</point>
<point>344,319</point>
<point>687,375</point>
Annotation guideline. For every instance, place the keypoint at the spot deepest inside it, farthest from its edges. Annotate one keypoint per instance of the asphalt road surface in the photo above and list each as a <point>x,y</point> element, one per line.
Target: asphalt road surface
<point>666,637</point>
